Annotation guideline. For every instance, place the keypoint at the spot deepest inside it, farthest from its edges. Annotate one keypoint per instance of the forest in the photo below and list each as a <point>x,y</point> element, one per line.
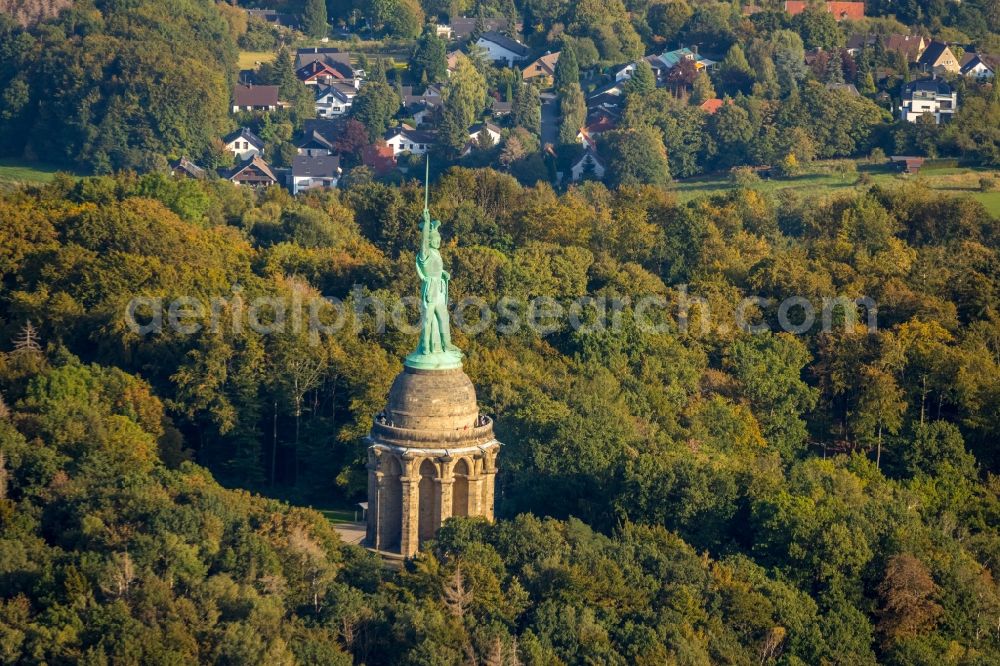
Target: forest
<point>829,497</point>
<point>695,492</point>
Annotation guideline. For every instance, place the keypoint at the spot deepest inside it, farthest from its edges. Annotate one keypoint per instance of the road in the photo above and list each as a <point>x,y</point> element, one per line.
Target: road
<point>550,118</point>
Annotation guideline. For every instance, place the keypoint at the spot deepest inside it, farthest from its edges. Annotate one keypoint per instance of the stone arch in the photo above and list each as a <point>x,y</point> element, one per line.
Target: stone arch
<point>460,490</point>
<point>427,502</point>
<point>391,503</point>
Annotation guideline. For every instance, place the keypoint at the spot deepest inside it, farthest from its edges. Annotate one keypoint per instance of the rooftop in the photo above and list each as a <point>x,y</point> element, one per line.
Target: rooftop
<point>252,95</point>
<point>245,134</point>
<point>512,45</point>
<point>322,166</point>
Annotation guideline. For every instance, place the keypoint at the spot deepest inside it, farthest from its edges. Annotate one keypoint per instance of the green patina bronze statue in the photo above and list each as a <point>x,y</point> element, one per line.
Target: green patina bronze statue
<point>434,351</point>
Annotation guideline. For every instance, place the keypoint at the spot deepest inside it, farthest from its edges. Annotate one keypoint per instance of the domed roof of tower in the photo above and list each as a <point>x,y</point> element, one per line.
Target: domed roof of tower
<point>432,400</point>
<point>432,409</point>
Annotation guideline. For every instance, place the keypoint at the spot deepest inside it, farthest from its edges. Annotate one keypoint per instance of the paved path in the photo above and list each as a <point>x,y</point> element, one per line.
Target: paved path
<point>351,533</point>
<point>550,118</point>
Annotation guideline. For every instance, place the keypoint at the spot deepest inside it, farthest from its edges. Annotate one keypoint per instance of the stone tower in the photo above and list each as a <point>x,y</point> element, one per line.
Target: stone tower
<point>431,454</point>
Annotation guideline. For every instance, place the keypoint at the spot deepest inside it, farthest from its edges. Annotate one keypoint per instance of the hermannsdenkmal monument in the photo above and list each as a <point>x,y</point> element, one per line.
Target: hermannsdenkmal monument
<point>431,454</point>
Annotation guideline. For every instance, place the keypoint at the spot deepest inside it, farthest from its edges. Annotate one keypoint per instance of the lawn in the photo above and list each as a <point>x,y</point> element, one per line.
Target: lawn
<point>250,59</point>
<point>991,200</point>
<point>19,171</point>
<point>336,516</point>
<point>953,180</point>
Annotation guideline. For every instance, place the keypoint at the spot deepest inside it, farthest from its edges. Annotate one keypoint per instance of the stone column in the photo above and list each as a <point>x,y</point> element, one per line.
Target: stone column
<point>371,524</point>
<point>409,539</point>
<point>489,479</point>
<point>446,483</point>
<point>376,491</point>
<point>476,488</point>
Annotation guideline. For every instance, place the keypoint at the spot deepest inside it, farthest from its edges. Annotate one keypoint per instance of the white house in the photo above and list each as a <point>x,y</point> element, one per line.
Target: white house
<point>314,144</point>
<point>331,102</point>
<point>423,111</point>
<point>407,140</point>
<point>974,67</point>
<point>476,131</point>
<point>501,48</point>
<point>588,164</point>
<point>625,72</point>
<point>421,108</point>
<point>931,96</point>
<point>309,172</point>
<point>254,98</point>
<point>584,138</point>
<point>244,144</point>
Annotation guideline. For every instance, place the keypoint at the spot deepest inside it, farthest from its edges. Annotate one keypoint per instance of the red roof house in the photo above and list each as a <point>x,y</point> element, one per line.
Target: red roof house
<point>710,106</point>
<point>379,158</point>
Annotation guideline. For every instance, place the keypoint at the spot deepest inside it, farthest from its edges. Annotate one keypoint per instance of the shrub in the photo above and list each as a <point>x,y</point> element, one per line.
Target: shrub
<point>744,176</point>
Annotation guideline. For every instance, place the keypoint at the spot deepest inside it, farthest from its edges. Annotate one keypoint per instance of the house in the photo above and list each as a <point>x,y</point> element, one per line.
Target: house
<point>938,58</point>
<point>380,158</point>
<point>625,72</point>
<point>274,17</point>
<point>931,96</point>
<point>476,134</point>
<point>542,70</point>
<point>848,88</point>
<point>404,139</point>
<point>338,60</point>
<point>671,59</point>
<point>243,143</point>
<point>711,106</point>
<point>842,11</point>
<point>500,108</point>
<point>331,102</point>
<point>461,29</point>
<point>610,100</point>
<point>584,138</point>
<point>253,172</point>
<point>424,111</point>
<point>314,144</point>
<point>975,67</point>
<point>421,108</point>
<point>319,72</point>
<point>431,92</point>
<point>501,48</point>
<point>452,60</point>
<point>254,98</point>
<point>906,163</point>
<point>911,46</point>
<point>330,129</point>
<point>476,130</point>
<point>314,171</point>
<point>600,120</point>
<point>610,94</point>
<point>589,167</point>
<point>185,168</point>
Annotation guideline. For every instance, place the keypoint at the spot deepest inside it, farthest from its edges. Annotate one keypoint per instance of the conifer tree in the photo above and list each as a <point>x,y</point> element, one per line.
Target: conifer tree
<point>834,72</point>
<point>567,69</point>
<point>314,19</point>
<point>702,88</point>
